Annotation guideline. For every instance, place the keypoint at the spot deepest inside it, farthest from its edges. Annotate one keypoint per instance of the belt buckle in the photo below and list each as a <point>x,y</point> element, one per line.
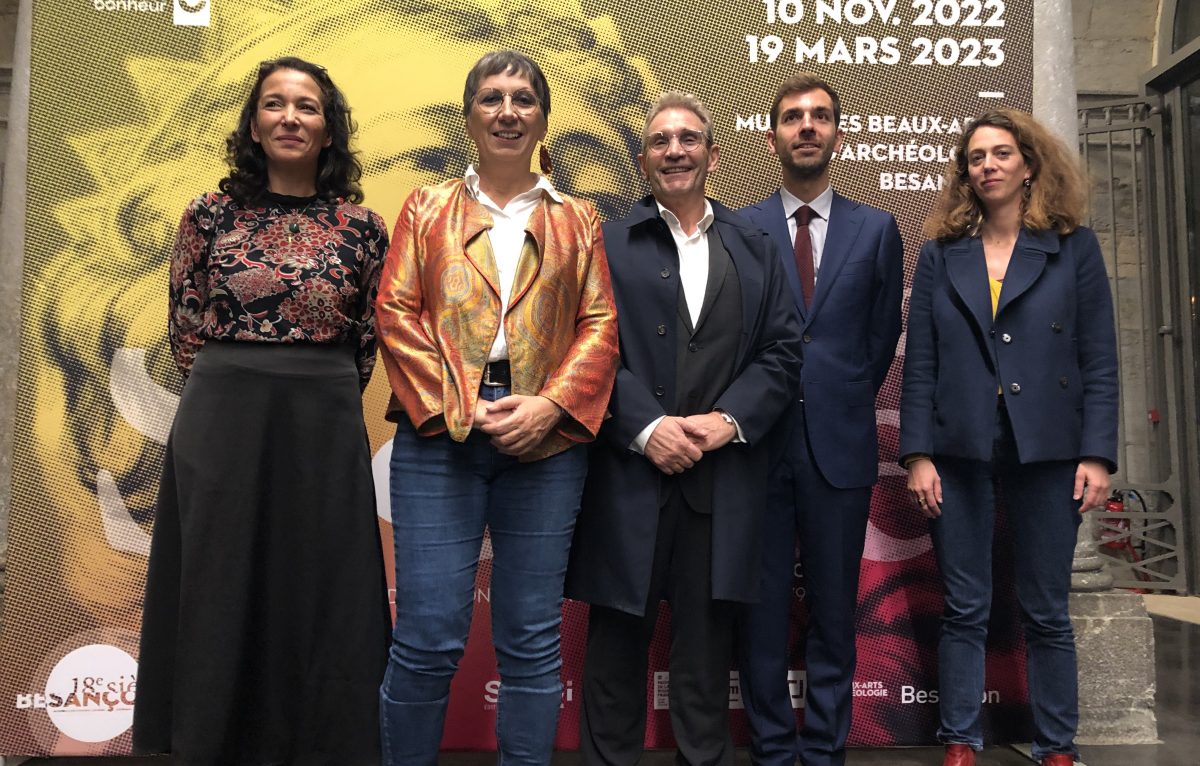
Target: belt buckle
<point>487,377</point>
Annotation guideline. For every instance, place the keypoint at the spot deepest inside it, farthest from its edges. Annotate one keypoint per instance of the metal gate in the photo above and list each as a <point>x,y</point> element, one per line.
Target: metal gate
<point>1124,149</point>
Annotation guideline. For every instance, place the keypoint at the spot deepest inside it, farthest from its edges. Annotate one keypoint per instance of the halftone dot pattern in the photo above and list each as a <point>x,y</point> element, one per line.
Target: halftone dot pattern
<point>127,123</point>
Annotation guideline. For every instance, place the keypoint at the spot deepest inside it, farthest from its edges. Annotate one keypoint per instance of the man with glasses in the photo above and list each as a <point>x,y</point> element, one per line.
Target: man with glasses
<point>676,489</point>
<point>843,262</point>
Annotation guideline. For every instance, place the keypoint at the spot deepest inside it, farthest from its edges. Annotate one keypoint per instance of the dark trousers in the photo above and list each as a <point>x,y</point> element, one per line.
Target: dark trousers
<point>832,526</point>
<point>1045,519</point>
<point>613,720</point>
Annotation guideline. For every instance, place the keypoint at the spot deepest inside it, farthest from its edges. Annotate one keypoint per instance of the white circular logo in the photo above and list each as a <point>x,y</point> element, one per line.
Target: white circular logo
<point>90,693</point>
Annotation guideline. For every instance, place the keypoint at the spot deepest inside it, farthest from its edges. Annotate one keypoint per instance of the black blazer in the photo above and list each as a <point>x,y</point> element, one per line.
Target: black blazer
<point>613,548</point>
<point>1051,350</point>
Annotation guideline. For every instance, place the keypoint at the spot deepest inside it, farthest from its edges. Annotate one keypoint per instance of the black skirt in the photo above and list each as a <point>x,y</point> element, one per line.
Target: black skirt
<point>266,628</point>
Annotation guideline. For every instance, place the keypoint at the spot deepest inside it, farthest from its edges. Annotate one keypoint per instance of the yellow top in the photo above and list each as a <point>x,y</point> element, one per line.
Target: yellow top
<point>994,286</point>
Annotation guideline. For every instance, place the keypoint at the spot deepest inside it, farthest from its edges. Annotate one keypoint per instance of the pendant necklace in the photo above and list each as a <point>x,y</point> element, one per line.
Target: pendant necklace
<point>293,227</point>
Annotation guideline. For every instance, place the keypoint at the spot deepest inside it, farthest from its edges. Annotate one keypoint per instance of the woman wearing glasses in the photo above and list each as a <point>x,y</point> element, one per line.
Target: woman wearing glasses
<point>499,335</point>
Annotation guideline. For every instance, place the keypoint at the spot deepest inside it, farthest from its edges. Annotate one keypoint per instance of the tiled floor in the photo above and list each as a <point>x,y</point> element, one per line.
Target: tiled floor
<point>1178,709</point>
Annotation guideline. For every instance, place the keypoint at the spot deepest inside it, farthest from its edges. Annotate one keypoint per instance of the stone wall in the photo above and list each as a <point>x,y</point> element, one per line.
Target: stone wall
<point>8,29</point>
<point>9,295</point>
<point>1114,44</point>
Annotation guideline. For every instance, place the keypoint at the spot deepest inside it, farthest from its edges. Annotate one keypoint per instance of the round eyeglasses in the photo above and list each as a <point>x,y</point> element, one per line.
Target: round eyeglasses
<point>490,101</point>
<point>689,141</point>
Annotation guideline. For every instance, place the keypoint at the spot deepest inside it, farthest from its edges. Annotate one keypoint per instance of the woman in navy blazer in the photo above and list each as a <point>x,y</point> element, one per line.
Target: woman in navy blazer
<point>1010,378</point>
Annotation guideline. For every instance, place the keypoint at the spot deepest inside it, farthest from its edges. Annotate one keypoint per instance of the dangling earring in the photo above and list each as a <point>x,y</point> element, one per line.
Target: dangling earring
<point>976,222</point>
<point>544,160</point>
<point>1028,182</point>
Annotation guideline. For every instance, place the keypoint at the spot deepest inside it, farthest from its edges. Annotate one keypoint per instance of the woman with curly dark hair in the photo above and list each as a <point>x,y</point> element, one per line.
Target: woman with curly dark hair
<point>338,170</point>
<point>1010,382</point>
<point>265,630</point>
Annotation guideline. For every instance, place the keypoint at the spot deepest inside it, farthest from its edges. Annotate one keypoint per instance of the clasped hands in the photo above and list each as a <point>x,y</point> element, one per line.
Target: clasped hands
<point>516,423</point>
<point>678,442</point>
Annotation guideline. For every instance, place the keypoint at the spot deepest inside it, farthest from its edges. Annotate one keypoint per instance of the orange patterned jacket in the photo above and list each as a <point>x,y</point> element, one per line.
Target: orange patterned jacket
<point>439,308</point>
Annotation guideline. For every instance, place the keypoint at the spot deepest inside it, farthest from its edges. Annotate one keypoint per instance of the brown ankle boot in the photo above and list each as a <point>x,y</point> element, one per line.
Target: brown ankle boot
<point>959,755</point>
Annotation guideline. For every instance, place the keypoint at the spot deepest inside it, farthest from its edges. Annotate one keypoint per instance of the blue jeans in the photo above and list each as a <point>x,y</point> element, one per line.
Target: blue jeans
<point>443,495</point>
<point>1043,519</point>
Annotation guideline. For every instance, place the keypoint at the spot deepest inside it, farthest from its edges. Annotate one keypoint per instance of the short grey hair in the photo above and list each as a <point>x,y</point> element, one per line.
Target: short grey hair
<point>677,99</point>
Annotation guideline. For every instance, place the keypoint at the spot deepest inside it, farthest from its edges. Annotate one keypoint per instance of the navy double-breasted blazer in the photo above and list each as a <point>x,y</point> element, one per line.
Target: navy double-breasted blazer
<point>1051,351</point>
<point>849,332</point>
<point>613,549</point>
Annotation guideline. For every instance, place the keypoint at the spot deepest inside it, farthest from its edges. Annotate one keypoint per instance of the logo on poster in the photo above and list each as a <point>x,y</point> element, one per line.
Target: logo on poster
<point>662,690</point>
<point>735,691</point>
<point>90,693</point>
<point>191,13</point>
<point>491,694</point>
<point>135,6</point>
<point>797,682</point>
<point>797,687</point>
<point>184,13</point>
<point>870,689</point>
<point>910,695</point>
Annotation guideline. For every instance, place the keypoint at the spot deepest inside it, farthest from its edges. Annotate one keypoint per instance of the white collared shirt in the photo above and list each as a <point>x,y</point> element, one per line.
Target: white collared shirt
<point>507,236</point>
<point>693,257</point>
<point>818,226</point>
<point>693,278</point>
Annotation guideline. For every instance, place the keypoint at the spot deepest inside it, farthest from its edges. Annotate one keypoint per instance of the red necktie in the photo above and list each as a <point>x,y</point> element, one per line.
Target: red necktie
<point>804,253</point>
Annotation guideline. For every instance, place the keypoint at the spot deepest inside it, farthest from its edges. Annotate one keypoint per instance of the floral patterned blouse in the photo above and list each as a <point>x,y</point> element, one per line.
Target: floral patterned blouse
<point>293,270</point>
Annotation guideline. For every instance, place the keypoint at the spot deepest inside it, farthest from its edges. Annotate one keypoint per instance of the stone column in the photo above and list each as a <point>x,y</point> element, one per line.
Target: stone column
<point>12,246</point>
<point>1114,639</point>
<point>1054,100</point>
<point>1088,572</point>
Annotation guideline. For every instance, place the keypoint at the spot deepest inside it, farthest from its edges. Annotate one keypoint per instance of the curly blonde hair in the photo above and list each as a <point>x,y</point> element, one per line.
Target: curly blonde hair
<point>1056,199</point>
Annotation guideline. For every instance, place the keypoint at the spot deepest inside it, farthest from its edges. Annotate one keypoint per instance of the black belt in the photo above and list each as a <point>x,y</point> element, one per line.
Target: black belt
<point>497,374</point>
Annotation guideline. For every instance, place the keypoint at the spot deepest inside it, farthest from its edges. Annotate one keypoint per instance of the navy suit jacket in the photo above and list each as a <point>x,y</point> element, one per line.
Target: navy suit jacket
<point>613,549</point>
<point>1051,350</point>
<point>849,332</point>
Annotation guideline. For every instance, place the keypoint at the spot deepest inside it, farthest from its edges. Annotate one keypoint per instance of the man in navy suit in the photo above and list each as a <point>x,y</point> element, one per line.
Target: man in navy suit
<point>676,488</point>
<point>844,262</point>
